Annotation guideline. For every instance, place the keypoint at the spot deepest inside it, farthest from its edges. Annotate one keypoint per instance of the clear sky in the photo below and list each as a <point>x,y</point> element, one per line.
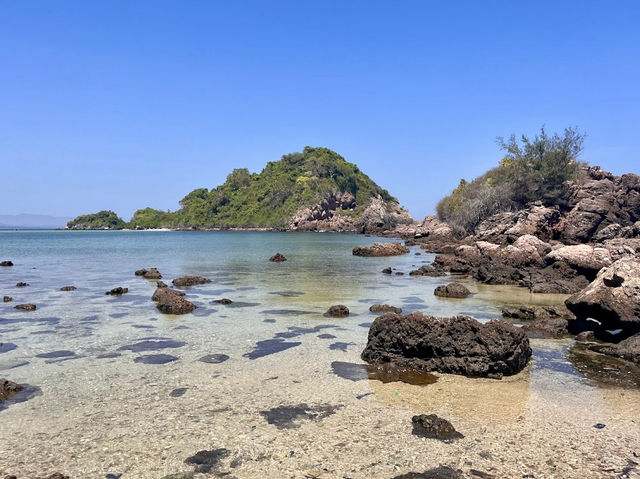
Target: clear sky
<point>126,104</point>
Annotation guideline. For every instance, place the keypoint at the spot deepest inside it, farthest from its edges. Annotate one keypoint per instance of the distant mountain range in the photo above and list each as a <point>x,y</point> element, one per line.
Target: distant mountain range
<point>27,221</point>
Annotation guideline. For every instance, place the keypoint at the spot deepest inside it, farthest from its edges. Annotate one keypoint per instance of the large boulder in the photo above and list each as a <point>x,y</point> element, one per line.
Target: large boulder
<point>613,298</point>
<point>452,290</point>
<point>170,301</point>
<point>381,249</point>
<point>537,220</point>
<point>457,345</point>
<point>584,258</point>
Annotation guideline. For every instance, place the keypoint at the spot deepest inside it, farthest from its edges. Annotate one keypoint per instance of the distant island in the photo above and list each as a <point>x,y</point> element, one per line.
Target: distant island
<point>314,190</point>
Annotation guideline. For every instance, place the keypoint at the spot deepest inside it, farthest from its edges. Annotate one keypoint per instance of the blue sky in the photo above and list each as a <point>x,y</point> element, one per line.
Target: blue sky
<point>121,105</point>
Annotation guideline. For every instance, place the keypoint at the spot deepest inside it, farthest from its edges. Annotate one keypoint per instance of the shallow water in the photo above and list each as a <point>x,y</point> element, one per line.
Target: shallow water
<point>124,390</point>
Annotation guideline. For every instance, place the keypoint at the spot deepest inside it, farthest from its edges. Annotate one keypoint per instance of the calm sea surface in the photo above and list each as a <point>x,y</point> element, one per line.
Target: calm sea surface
<point>101,405</point>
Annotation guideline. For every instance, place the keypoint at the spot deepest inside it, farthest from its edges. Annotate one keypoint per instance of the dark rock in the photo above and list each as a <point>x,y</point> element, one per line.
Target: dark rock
<point>21,284</point>
<point>7,299</point>
<point>214,358</point>
<point>338,311</point>
<point>153,273</point>
<point>457,345</point>
<point>384,308</point>
<point>170,301</point>
<point>6,263</point>
<point>117,291</point>
<point>26,307</point>
<point>434,427</point>
<point>452,290</point>
<point>186,281</point>
<point>599,425</point>
<point>178,392</point>
<point>441,472</point>
<point>8,389</point>
<point>586,336</point>
<point>554,327</point>
<point>381,249</point>
<point>531,313</point>
<point>223,301</point>
<point>286,417</point>
<point>161,284</point>
<point>613,298</point>
<point>426,270</point>
<point>155,359</point>
<point>387,271</point>
<point>68,288</point>
<point>207,461</point>
<point>277,258</point>
<point>628,349</point>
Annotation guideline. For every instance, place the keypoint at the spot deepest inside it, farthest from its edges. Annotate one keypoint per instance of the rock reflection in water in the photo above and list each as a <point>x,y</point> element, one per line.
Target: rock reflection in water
<point>385,373</point>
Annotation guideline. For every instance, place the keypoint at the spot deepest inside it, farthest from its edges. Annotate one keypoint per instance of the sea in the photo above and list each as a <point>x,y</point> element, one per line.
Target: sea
<point>270,385</point>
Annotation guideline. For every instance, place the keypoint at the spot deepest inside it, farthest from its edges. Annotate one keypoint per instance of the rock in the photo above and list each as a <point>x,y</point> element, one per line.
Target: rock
<point>171,301</point>
<point>21,284</point>
<point>277,258</point>
<point>26,307</point>
<point>140,272</point>
<point>585,336</point>
<point>118,291</point>
<point>426,270</point>
<point>152,273</point>
<point>190,281</point>
<point>381,249</point>
<point>8,389</point>
<point>387,271</point>
<point>457,345</point>
<point>6,263</point>
<point>613,298</point>
<point>56,475</point>
<point>223,301</point>
<point>384,308</point>
<point>532,313</point>
<point>432,426</point>
<point>7,299</point>
<point>338,311</point>
<point>68,288</point>
<point>554,327</point>
<point>161,284</point>
<point>207,461</point>
<point>628,349</point>
<point>586,259</point>
<point>452,290</point>
<point>440,472</point>
<point>535,220</point>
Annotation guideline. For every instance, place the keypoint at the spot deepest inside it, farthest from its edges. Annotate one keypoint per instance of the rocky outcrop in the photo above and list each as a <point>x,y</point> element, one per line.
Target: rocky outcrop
<point>457,345</point>
<point>187,281</point>
<point>381,215</point>
<point>8,389</point>
<point>277,258</point>
<point>6,263</point>
<point>452,290</point>
<point>118,291</point>
<point>171,301</point>
<point>338,311</point>
<point>381,249</point>
<point>537,220</point>
<point>613,298</point>
<point>628,349</point>
<point>384,308</point>
<point>26,307</point>
<point>152,273</point>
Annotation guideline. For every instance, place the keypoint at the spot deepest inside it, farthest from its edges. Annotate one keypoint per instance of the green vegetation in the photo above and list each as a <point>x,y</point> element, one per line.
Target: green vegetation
<point>263,200</point>
<point>532,170</point>
<point>97,221</point>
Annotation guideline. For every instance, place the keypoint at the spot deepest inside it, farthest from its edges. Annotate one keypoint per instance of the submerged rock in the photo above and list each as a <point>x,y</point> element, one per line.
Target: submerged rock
<point>6,263</point>
<point>432,426</point>
<point>26,307</point>
<point>8,389</point>
<point>206,461</point>
<point>385,308</point>
<point>119,291</point>
<point>628,349</point>
<point>68,288</point>
<point>7,299</point>
<point>457,345</point>
<point>190,281</point>
<point>277,258</point>
<point>287,417</point>
<point>338,311</point>
<point>452,290</point>
<point>613,298</point>
<point>380,249</point>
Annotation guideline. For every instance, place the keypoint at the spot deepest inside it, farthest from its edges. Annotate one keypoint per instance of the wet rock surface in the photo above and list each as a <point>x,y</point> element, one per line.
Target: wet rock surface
<point>531,313</point>
<point>452,290</point>
<point>457,345</point>
<point>381,249</point>
<point>8,389</point>
<point>186,281</point>
<point>338,311</point>
<point>384,308</point>
<point>434,427</point>
<point>118,291</point>
<point>277,258</point>
<point>25,307</point>
<point>287,417</point>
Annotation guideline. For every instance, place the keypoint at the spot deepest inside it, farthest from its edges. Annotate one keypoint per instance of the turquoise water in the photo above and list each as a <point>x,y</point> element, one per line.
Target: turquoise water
<point>96,409</point>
